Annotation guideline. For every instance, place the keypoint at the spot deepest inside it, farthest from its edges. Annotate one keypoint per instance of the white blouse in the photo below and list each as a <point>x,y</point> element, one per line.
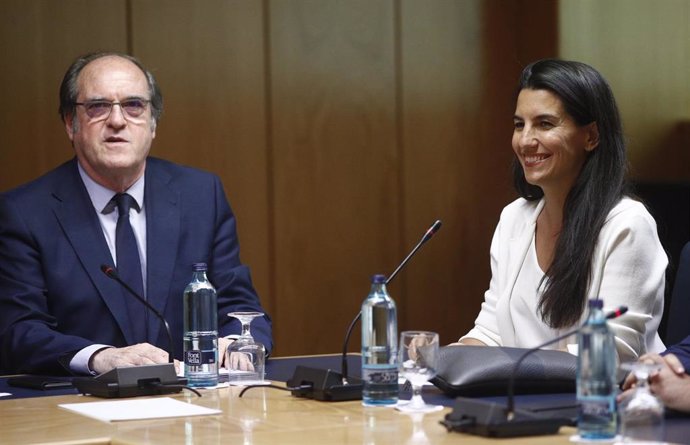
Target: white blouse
<point>628,268</point>
<point>525,299</point>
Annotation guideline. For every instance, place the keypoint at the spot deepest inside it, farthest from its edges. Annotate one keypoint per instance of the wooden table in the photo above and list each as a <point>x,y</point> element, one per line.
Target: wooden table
<point>261,416</point>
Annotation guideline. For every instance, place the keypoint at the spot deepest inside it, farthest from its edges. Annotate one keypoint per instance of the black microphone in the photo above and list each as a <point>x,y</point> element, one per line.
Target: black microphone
<point>427,236</point>
<point>484,418</point>
<point>131,381</point>
<point>330,385</point>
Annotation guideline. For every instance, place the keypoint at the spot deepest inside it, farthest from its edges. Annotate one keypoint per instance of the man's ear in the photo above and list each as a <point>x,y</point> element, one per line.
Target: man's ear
<point>69,127</point>
<point>592,140</point>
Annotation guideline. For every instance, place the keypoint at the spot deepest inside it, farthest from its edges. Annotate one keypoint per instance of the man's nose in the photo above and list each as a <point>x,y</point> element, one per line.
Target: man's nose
<point>116,118</point>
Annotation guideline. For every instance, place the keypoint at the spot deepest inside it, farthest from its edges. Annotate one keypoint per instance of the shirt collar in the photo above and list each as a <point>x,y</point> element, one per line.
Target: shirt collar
<point>101,196</point>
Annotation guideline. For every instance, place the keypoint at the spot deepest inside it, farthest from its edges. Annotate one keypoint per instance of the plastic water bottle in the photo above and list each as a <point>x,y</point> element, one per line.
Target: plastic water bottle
<point>596,377</point>
<point>379,346</point>
<point>200,330</point>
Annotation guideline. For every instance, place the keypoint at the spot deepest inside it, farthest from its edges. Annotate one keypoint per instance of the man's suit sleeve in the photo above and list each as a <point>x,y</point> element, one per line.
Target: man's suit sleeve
<point>28,339</point>
<point>682,351</point>
<point>231,278</point>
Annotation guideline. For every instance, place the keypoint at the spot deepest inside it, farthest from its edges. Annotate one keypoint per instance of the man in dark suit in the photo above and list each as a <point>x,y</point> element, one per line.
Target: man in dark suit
<point>58,311</point>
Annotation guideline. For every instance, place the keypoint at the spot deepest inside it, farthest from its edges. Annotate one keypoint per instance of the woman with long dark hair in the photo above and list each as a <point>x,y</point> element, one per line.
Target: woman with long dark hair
<point>575,233</point>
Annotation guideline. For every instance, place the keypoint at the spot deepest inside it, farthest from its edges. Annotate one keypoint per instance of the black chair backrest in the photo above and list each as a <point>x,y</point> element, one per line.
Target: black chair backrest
<point>678,326</point>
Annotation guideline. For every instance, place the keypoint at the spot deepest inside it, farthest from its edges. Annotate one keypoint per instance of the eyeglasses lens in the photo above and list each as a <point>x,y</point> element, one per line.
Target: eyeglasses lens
<point>100,109</point>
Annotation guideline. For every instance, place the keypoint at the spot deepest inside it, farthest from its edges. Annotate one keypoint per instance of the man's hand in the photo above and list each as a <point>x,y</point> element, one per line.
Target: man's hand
<point>139,354</point>
<point>669,361</point>
<point>671,384</point>
<point>223,344</point>
<point>238,361</point>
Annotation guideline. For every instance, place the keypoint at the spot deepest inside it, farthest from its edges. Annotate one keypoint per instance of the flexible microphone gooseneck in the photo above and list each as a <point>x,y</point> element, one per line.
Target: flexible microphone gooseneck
<point>485,418</point>
<point>427,236</point>
<point>112,273</point>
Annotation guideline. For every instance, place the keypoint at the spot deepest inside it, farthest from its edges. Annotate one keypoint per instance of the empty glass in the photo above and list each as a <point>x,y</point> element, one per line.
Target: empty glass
<point>642,413</point>
<point>245,357</point>
<point>418,360</point>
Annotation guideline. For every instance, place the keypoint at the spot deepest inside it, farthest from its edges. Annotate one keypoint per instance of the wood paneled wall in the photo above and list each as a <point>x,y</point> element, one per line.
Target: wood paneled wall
<point>642,47</point>
<point>341,131</point>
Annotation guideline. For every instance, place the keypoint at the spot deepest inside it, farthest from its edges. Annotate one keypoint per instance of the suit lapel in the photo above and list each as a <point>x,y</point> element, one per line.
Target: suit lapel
<point>79,221</point>
<point>519,246</point>
<point>162,235</point>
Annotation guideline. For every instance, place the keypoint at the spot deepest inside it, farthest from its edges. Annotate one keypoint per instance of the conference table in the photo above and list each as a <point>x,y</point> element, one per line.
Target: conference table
<point>261,416</point>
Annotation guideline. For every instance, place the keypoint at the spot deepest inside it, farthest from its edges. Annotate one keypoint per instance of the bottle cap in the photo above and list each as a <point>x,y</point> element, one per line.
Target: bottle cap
<point>199,267</point>
<point>378,279</point>
<point>596,303</point>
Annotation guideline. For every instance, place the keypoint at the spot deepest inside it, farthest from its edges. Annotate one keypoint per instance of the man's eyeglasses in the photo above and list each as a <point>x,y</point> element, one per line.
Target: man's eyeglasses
<point>100,109</point>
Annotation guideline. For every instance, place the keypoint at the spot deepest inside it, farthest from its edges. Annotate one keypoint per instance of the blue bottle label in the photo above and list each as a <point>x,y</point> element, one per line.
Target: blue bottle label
<point>198,358</point>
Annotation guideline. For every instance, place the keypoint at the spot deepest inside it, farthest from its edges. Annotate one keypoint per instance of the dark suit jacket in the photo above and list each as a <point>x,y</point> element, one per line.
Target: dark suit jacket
<point>55,300</point>
<point>682,351</point>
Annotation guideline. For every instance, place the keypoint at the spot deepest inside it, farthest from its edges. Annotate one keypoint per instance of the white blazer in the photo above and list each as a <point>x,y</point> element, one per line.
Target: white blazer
<point>628,269</point>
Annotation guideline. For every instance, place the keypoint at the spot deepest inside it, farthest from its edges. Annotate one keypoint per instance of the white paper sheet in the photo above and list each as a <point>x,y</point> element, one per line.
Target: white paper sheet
<point>138,409</point>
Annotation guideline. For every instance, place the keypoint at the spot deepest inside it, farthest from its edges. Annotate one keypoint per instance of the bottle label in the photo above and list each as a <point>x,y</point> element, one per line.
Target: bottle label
<point>198,358</point>
<point>597,419</point>
<point>380,376</point>
<point>597,406</point>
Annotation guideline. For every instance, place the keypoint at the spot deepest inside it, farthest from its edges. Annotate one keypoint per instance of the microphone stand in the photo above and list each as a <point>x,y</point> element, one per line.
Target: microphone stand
<point>131,381</point>
<point>510,410</point>
<point>427,236</point>
<point>484,418</point>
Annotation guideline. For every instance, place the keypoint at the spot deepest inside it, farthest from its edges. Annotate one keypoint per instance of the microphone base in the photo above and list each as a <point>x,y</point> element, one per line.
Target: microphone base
<point>326,385</point>
<point>489,419</point>
<point>132,381</point>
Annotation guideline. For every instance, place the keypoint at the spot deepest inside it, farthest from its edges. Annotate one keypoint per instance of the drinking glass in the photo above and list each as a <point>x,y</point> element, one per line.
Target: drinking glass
<point>642,413</point>
<point>418,360</point>
<point>245,357</point>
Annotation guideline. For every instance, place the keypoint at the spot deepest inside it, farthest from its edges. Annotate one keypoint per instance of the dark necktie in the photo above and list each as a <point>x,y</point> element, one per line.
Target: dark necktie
<point>129,266</point>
